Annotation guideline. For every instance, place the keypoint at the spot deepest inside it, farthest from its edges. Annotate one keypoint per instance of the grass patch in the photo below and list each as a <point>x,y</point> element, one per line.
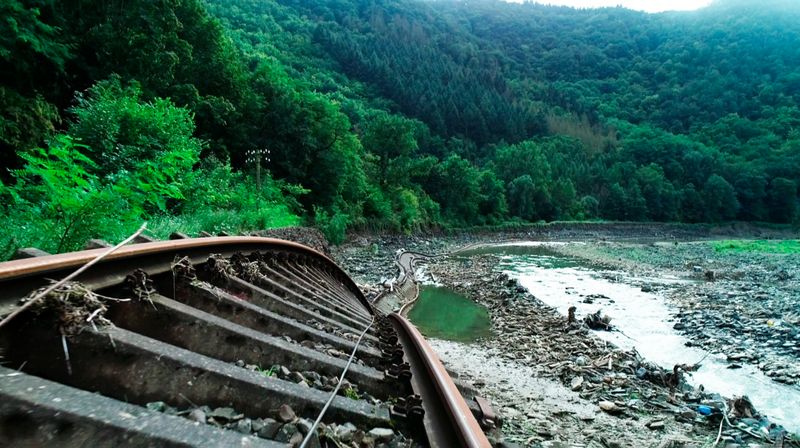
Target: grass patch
<point>763,246</point>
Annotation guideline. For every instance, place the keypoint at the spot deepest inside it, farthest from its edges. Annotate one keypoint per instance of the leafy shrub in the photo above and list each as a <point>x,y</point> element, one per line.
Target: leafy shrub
<point>333,225</point>
<point>57,202</point>
<point>145,148</point>
<point>217,198</point>
<point>70,191</point>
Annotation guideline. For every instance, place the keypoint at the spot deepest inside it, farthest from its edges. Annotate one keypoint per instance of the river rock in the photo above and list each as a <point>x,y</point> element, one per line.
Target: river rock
<point>287,432</point>
<point>345,432</point>
<point>228,414</point>
<point>297,377</point>
<point>244,426</point>
<point>609,406</point>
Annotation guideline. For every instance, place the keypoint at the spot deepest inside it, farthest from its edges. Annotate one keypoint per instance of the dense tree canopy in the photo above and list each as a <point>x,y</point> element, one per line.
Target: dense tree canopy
<point>402,114</point>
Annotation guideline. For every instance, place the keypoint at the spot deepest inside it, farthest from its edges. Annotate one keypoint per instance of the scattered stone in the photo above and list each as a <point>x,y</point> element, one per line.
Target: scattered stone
<point>286,413</point>
<point>381,434</point>
<point>297,377</point>
<point>610,407</point>
<point>228,414</point>
<point>534,335</point>
<point>96,244</point>
<point>313,376</point>
<point>304,425</point>
<point>296,439</point>
<point>28,252</point>
<point>269,428</point>
<point>286,433</point>
<point>198,415</point>
<point>157,406</point>
<point>345,432</point>
<point>576,383</point>
<point>244,426</point>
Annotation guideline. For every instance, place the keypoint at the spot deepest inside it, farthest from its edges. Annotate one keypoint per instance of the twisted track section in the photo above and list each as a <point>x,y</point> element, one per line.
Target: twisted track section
<point>195,324</point>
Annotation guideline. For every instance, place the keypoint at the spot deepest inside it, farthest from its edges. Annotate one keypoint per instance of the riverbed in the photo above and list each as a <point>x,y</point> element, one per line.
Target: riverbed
<point>643,320</point>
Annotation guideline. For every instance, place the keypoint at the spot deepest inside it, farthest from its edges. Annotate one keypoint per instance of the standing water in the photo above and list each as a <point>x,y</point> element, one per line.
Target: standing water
<point>644,323</point>
<point>444,314</point>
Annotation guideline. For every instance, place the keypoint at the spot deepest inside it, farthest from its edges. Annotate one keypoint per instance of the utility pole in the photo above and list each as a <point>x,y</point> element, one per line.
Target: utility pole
<point>256,156</point>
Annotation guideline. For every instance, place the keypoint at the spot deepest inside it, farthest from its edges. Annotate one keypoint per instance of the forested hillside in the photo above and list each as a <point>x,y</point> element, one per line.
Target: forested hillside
<point>392,114</point>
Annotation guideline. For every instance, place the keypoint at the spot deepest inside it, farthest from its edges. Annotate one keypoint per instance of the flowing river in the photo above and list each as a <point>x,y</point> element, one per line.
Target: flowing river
<point>644,321</point>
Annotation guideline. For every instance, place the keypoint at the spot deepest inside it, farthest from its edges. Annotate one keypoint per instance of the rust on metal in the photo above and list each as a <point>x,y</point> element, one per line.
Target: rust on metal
<point>467,429</point>
<point>487,413</point>
<point>40,266</point>
<point>305,279</point>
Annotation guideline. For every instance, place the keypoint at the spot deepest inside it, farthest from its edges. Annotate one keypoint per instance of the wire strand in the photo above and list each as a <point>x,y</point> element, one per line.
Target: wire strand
<point>71,276</point>
<point>313,429</point>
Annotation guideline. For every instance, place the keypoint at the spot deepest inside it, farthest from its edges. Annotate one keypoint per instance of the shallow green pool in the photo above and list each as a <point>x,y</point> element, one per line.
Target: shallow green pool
<point>444,314</point>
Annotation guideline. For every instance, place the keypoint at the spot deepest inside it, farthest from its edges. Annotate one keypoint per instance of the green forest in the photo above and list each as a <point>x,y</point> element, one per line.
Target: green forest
<point>389,115</point>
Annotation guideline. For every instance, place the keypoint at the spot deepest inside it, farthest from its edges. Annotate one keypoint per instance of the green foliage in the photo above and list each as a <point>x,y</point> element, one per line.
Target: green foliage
<point>521,193</point>
<point>23,33</point>
<point>589,208</point>
<point>33,53</point>
<point>393,116</point>
<point>267,373</point>
<point>783,199</point>
<point>62,196</point>
<point>333,224</point>
<point>144,148</point>
<point>59,201</point>
<point>351,394</point>
<point>763,246</point>
<point>219,199</point>
<point>720,199</point>
<point>455,185</point>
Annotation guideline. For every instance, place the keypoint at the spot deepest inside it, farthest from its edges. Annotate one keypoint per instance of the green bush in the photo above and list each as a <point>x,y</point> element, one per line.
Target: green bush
<point>217,198</point>
<point>57,202</point>
<point>145,148</point>
<point>70,192</point>
<point>333,225</point>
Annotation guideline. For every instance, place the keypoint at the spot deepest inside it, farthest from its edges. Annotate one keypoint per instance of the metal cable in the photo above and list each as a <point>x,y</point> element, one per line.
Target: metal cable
<point>313,429</point>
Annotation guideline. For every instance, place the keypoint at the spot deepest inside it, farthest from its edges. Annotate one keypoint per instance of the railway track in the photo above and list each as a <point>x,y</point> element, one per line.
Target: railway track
<point>220,341</point>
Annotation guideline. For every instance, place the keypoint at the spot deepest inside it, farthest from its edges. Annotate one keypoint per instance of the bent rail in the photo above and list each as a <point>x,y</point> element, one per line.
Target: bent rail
<point>222,309</point>
<point>18,277</point>
<point>448,420</point>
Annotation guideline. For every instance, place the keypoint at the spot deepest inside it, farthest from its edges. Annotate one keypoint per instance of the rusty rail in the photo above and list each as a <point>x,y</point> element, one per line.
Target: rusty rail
<point>302,282</point>
<point>19,277</point>
<point>448,420</point>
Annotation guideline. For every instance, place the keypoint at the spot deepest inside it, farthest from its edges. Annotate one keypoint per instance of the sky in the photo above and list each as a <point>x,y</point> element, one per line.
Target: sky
<point>639,5</point>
